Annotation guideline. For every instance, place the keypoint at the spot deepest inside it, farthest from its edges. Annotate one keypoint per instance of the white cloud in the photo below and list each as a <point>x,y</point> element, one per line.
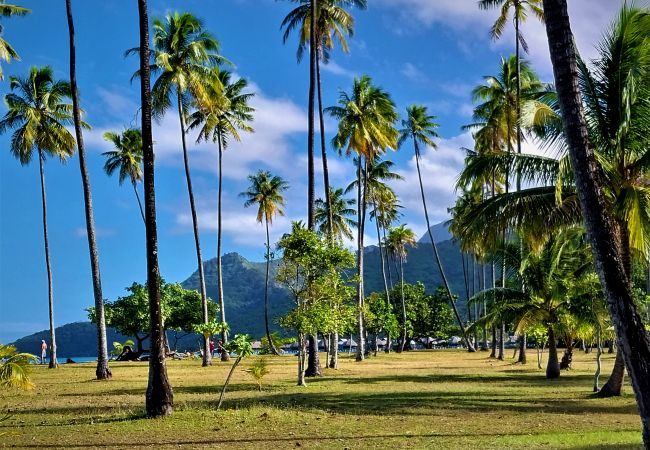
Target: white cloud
<point>335,69</point>
<point>414,74</point>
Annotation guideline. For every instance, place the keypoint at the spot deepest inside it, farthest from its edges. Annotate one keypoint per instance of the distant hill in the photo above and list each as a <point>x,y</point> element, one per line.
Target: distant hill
<point>440,233</point>
<point>243,283</point>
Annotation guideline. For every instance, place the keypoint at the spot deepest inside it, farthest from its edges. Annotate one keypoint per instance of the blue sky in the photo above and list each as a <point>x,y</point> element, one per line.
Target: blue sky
<point>422,51</point>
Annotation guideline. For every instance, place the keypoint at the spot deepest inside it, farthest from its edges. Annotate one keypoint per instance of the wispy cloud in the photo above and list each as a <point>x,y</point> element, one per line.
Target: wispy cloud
<point>334,68</point>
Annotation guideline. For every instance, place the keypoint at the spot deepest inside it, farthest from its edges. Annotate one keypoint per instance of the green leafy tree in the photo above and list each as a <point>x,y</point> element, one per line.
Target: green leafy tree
<point>126,159</point>
<point>342,213</point>
<point>38,115</point>
<point>258,370</point>
<point>242,346</point>
<point>265,191</point>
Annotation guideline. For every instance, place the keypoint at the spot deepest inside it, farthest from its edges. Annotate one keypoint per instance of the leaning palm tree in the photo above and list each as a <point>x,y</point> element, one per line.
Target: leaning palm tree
<point>334,23</point>
<point>183,52</point>
<point>420,127</point>
<point>266,191</point>
<point>520,13</point>
<point>341,213</point>
<point>37,113</point>
<point>366,127</point>
<point>221,115</point>
<point>126,159</point>
<point>160,396</point>
<point>398,241</point>
<point>7,52</point>
<point>102,372</point>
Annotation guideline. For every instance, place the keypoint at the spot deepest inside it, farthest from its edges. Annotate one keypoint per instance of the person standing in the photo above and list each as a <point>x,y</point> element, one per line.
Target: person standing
<point>43,351</point>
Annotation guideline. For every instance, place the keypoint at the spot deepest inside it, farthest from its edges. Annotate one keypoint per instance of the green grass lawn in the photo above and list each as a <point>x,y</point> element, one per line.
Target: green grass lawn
<point>432,399</point>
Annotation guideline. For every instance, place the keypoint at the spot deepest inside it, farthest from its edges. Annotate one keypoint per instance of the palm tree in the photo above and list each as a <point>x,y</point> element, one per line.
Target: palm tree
<point>399,238</point>
<point>334,23</point>
<point>219,116</point>
<point>366,127</point>
<point>342,212</point>
<point>420,127</point>
<point>266,191</point>
<point>159,396</point>
<point>15,368</point>
<point>521,9</point>
<point>183,50</point>
<point>103,372</point>
<point>634,341</point>
<point>126,158</point>
<point>38,115</point>
<point>7,52</point>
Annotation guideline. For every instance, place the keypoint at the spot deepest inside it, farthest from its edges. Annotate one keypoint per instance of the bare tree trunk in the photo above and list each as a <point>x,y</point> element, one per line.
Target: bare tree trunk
<point>614,384</point>
<point>326,176</point>
<point>598,361</point>
<point>102,371</point>
<point>313,362</point>
<point>493,352</point>
<point>137,197</point>
<point>360,225</point>
<point>302,349</point>
<point>225,356</point>
<point>207,355</point>
<point>225,385</point>
<point>634,341</point>
<point>48,265</point>
<point>334,351</point>
<point>470,347</point>
<point>502,341</point>
<point>159,396</point>
<point>311,223</point>
<point>266,291</point>
<point>403,338</point>
<point>522,349</point>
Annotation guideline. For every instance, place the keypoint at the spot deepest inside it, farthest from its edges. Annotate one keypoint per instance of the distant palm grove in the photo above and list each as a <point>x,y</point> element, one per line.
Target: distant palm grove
<point>552,213</point>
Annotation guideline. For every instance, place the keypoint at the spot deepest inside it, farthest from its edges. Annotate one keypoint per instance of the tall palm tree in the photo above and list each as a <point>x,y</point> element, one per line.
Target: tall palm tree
<point>334,23</point>
<point>126,159</point>
<point>221,115</point>
<point>420,127</point>
<point>366,127</point>
<point>399,238</point>
<point>7,52</point>
<point>266,191</point>
<point>520,13</point>
<point>183,52</point>
<point>159,396</point>
<point>341,213</point>
<point>37,113</point>
<point>102,372</point>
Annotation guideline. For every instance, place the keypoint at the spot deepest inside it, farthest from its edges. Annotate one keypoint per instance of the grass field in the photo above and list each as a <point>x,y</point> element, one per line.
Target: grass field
<point>432,399</point>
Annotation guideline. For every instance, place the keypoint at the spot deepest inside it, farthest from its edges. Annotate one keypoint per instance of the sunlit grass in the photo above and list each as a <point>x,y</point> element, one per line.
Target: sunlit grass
<point>438,399</point>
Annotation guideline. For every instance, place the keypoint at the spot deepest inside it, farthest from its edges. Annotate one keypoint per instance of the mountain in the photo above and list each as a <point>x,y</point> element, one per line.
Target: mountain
<point>440,233</point>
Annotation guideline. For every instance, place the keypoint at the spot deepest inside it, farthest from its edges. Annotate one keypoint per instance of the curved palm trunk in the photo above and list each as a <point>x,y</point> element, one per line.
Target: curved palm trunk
<point>137,196</point>
<point>50,295</point>
<point>207,356</point>
<point>403,338</point>
<point>102,372</point>
<point>225,385</point>
<point>553,365</point>
<point>360,228</point>
<point>599,354</point>
<point>614,385</point>
<point>470,347</point>
<point>266,290</point>
<point>634,341</point>
<point>159,396</point>
<point>225,356</point>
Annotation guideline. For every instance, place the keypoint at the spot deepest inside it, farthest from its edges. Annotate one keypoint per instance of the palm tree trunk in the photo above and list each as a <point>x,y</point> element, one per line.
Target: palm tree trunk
<point>522,349</point>
<point>518,95</point>
<point>266,290</point>
<point>159,396</point>
<point>137,196</point>
<point>470,347</point>
<point>102,372</point>
<point>207,356</point>
<point>225,385</point>
<point>326,176</point>
<point>383,262</point>
<point>387,258</point>
<point>403,339</point>
<point>502,341</point>
<point>553,365</point>
<point>614,384</point>
<point>313,362</point>
<point>225,356</point>
<point>302,349</point>
<point>48,265</point>
<point>493,352</point>
<point>484,345</point>
<point>311,223</point>
<point>360,293</point>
